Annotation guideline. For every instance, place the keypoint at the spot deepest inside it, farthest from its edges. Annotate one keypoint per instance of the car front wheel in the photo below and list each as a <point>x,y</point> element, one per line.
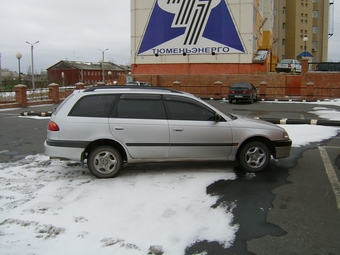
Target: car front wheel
<point>254,156</point>
<point>104,162</point>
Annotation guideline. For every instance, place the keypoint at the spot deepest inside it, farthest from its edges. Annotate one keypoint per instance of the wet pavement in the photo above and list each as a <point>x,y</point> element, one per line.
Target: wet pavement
<point>289,209</point>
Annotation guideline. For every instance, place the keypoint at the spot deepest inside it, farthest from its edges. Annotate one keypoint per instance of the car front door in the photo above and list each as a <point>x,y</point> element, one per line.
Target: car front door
<point>194,132</point>
<point>138,121</point>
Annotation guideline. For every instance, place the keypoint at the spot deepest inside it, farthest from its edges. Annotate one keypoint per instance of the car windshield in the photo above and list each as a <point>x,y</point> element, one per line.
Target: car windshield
<point>240,86</point>
<point>286,61</point>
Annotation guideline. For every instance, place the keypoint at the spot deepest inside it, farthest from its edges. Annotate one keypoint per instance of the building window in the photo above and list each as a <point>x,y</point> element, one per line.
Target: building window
<point>314,45</point>
<point>315,14</point>
<point>283,10</point>
<point>283,42</point>
<point>283,25</point>
<point>315,29</point>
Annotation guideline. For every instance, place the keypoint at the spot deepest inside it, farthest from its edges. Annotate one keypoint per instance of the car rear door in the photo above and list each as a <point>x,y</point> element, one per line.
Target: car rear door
<point>194,133</point>
<point>138,121</point>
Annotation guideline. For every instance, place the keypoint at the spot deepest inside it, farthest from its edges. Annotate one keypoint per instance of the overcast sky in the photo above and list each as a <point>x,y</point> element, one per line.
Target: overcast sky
<point>76,30</point>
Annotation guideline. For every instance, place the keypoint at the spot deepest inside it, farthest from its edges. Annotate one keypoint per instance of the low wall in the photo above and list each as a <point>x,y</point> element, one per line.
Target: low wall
<point>309,85</point>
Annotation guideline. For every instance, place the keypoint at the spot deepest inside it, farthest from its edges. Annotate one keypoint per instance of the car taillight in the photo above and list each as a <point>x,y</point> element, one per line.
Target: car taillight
<point>52,126</point>
<point>246,91</point>
<point>231,91</point>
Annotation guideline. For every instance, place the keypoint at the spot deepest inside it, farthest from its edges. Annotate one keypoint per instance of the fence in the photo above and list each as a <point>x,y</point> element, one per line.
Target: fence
<point>23,97</point>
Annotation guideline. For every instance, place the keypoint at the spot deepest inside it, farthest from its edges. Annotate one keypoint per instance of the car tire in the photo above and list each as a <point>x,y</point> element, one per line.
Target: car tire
<point>230,101</point>
<point>104,162</point>
<point>254,156</point>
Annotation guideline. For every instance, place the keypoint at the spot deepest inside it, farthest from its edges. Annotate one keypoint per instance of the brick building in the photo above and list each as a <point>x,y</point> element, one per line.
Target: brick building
<point>68,73</point>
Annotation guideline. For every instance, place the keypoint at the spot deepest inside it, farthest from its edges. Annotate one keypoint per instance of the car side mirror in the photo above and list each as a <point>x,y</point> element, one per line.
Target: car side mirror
<point>218,117</point>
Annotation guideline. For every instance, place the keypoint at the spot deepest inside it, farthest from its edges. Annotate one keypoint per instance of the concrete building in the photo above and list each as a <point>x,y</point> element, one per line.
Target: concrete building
<point>299,19</point>
<point>195,37</point>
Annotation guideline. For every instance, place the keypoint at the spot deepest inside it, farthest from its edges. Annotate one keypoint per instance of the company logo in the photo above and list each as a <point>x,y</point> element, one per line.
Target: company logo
<point>190,27</point>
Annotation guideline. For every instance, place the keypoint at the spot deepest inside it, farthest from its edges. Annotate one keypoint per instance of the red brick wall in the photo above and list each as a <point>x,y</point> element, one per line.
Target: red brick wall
<point>193,69</point>
<point>306,86</point>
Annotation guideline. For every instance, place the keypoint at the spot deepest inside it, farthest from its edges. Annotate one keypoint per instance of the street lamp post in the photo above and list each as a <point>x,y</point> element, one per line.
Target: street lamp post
<point>32,62</point>
<point>19,56</point>
<point>0,73</point>
<point>103,53</point>
<point>109,73</point>
<point>305,39</point>
<point>102,63</point>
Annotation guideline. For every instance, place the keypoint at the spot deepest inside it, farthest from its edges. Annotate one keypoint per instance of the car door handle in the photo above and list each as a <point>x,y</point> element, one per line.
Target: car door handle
<point>119,128</point>
<point>178,129</point>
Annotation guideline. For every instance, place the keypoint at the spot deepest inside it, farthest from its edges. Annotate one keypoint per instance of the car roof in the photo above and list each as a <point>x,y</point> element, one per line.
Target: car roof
<point>127,88</point>
<point>241,84</point>
<point>289,60</point>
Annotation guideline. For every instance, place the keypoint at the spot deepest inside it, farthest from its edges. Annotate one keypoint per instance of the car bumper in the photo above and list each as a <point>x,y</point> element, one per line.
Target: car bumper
<point>282,148</point>
<point>239,97</point>
<point>69,153</point>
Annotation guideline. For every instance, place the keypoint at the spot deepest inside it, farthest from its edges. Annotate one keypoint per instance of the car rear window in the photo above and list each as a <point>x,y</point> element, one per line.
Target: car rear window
<point>240,86</point>
<point>94,106</point>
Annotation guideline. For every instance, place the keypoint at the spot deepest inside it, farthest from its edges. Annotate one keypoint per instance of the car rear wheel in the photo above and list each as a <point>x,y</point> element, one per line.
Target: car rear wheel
<point>254,156</point>
<point>104,162</point>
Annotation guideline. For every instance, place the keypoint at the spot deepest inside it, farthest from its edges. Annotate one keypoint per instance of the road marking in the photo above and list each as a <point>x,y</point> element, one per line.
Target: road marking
<point>331,174</point>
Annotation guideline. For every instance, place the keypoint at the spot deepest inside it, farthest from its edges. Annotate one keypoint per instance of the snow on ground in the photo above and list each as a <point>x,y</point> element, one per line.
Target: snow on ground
<point>55,207</point>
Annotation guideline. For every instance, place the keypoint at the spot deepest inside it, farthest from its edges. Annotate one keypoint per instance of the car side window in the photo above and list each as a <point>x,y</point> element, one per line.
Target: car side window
<point>94,106</point>
<point>186,109</point>
<point>137,106</point>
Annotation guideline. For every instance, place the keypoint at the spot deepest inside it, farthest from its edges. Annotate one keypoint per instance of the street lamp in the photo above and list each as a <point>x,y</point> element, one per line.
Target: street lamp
<point>109,73</point>
<point>305,39</point>
<point>0,73</point>
<point>103,53</point>
<point>19,56</point>
<point>101,62</point>
<point>32,63</point>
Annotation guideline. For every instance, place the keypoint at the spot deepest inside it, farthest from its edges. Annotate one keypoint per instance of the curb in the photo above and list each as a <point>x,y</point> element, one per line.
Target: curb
<point>34,113</point>
<point>284,121</point>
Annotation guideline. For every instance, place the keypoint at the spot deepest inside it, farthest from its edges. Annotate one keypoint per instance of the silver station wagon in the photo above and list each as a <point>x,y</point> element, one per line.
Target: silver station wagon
<point>105,127</point>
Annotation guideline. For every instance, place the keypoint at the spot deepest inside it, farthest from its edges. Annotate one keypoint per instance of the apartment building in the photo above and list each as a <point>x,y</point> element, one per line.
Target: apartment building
<point>303,27</point>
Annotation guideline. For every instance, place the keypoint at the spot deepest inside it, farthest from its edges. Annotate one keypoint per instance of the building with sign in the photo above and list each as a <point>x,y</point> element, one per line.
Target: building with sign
<point>178,36</point>
<point>222,36</point>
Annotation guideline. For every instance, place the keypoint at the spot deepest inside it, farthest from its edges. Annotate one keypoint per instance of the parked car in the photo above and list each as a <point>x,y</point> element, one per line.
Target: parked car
<point>289,65</point>
<point>138,83</point>
<point>105,127</point>
<point>242,91</point>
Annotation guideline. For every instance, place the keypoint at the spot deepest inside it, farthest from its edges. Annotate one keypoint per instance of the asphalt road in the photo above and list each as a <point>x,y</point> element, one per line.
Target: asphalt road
<point>289,209</point>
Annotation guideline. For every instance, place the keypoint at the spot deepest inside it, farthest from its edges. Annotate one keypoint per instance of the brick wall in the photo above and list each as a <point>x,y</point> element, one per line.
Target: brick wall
<point>309,85</point>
